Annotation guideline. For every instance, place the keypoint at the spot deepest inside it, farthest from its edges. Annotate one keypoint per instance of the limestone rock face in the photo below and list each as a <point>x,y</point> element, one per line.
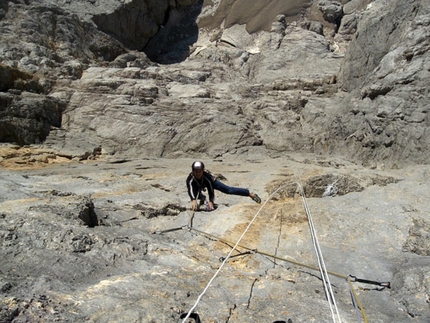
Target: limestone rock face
<point>332,10</point>
<point>390,111</point>
<point>28,118</point>
<point>79,238</point>
<point>320,107</point>
<point>354,87</point>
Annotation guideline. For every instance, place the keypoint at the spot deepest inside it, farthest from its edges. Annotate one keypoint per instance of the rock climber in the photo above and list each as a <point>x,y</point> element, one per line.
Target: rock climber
<point>200,179</point>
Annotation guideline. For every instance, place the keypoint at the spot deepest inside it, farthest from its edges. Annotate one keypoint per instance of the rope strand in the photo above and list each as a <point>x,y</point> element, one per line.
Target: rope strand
<point>323,270</point>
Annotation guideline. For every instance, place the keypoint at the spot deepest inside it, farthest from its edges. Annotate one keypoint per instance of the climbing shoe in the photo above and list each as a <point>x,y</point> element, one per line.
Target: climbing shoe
<point>256,198</point>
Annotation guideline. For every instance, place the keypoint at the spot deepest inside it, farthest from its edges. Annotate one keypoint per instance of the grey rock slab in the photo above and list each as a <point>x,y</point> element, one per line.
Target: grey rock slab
<point>50,255</point>
<point>248,104</point>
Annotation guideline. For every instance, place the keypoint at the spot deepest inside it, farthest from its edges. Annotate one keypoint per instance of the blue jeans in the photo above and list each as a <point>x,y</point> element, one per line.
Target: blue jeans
<point>217,185</point>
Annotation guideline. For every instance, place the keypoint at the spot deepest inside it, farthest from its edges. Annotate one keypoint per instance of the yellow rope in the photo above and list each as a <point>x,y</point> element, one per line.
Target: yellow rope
<point>360,306</point>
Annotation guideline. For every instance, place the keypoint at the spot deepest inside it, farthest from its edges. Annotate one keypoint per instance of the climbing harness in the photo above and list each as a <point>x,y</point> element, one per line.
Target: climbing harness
<point>361,315</point>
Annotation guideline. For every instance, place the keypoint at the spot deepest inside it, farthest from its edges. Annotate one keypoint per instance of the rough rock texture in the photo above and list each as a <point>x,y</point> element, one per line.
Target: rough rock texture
<point>109,102</point>
<point>391,116</point>
<point>28,118</point>
<point>282,84</point>
<point>120,267</point>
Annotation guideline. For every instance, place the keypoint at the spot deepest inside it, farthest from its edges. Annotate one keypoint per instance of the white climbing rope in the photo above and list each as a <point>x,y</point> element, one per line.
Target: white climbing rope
<point>323,270</point>
<point>229,254</point>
